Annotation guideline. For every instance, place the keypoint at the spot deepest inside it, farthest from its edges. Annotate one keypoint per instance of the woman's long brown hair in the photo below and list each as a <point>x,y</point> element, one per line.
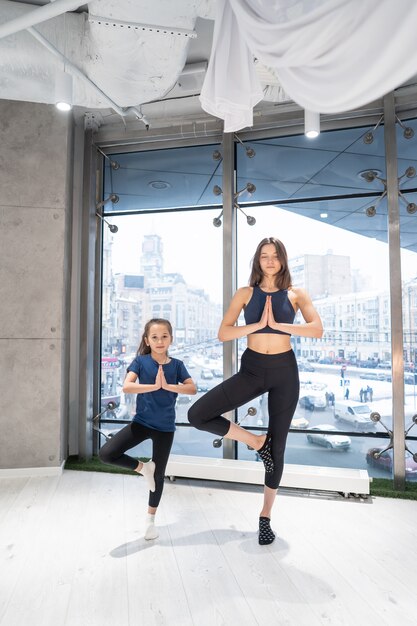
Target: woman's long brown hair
<point>283,278</point>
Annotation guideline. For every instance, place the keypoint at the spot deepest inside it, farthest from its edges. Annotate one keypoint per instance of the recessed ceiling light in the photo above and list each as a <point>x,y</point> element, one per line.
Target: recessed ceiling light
<point>369,175</point>
<point>159,184</point>
<point>324,215</point>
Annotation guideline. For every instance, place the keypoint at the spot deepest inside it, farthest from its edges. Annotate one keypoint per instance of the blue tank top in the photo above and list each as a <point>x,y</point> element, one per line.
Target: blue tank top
<point>281,306</point>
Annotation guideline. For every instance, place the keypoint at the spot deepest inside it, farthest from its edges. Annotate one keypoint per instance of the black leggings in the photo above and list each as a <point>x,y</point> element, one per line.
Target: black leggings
<point>259,373</point>
<point>113,452</point>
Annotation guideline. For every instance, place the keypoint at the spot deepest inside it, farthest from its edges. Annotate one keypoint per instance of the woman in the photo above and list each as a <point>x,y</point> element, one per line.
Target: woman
<point>157,379</point>
<point>267,365</point>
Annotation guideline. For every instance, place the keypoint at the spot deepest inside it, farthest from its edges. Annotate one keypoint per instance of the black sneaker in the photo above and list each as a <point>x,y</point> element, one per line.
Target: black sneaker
<point>266,454</point>
<point>266,534</point>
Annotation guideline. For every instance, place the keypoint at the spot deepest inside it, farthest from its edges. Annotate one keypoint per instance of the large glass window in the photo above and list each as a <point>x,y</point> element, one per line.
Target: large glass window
<point>407,167</point>
<point>319,193</point>
<point>325,200</point>
<point>162,262</point>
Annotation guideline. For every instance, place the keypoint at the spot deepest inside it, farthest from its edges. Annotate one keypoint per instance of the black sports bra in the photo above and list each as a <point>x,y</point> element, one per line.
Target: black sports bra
<point>282,309</point>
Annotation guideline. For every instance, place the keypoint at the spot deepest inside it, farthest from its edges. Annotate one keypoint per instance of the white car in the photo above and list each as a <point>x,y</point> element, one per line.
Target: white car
<point>299,422</point>
<point>334,442</point>
<point>357,413</point>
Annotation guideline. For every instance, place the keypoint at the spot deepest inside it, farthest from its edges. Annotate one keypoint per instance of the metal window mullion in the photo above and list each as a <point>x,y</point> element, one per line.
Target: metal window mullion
<point>229,264</point>
<point>396,304</point>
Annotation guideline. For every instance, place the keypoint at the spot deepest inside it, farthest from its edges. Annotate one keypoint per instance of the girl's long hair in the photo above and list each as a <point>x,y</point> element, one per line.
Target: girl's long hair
<point>283,278</point>
<point>143,347</point>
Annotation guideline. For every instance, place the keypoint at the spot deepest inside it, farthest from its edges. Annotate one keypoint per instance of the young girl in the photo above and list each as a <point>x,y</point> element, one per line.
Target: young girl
<point>157,379</point>
<point>268,364</point>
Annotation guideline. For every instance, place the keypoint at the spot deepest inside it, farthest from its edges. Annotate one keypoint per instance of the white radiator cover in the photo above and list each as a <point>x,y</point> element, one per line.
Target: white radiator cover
<point>340,479</point>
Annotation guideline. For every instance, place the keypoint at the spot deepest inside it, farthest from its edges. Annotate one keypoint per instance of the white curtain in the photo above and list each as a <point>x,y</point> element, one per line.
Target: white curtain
<point>329,55</point>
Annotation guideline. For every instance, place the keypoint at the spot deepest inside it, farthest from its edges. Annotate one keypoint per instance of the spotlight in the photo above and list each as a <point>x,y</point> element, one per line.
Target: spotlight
<point>368,138</point>
<point>63,91</point>
<point>311,124</point>
<point>375,417</point>
<point>369,175</point>
<point>370,211</point>
<point>114,165</point>
<point>250,152</point>
<point>250,188</point>
<point>250,220</point>
<point>408,132</point>
<point>217,220</point>
<point>411,208</point>
<point>112,227</point>
<point>217,190</point>
<point>217,155</point>
<point>113,197</point>
<point>410,172</point>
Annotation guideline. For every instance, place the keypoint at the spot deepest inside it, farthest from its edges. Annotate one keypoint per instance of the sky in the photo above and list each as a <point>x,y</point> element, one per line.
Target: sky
<point>193,246</point>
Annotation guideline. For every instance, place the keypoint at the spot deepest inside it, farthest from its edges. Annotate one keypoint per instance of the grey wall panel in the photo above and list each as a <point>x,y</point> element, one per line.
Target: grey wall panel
<point>31,272</point>
<point>35,222</point>
<point>30,402</point>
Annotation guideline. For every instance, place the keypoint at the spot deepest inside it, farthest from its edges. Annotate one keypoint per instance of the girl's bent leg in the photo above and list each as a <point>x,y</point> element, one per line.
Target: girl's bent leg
<point>113,451</point>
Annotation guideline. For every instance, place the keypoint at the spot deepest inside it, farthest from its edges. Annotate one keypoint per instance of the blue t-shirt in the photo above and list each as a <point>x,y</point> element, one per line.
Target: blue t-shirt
<point>156,409</point>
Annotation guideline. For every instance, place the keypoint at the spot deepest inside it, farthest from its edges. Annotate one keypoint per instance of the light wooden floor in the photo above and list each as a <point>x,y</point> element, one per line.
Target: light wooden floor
<point>73,554</point>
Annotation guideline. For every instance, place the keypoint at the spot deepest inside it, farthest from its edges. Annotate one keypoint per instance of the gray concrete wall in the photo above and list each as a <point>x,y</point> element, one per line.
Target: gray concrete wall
<point>35,192</point>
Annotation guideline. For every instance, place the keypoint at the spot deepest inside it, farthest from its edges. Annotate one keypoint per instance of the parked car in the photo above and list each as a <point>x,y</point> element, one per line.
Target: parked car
<point>217,373</point>
<point>372,376</point>
<point>357,413</point>
<point>384,365</point>
<point>313,396</point>
<point>202,385</point>
<point>183,399</point>
<point>299,422</point>
<point>384,460</point>
<point>334,442</point>
<point>207,374</point>
<point>305,366</point>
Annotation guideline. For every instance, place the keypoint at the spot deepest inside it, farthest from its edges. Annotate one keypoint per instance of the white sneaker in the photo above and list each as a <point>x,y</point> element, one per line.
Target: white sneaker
<point>148,471</point>
<point>151,531</point>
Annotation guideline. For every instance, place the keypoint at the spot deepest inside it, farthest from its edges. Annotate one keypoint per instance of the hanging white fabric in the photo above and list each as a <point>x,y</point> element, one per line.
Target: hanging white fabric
<point>329,55</point>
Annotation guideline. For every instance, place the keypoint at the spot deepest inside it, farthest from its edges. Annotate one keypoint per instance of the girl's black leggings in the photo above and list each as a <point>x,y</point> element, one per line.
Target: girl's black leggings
<point>259,373</point>
<point>113,452</point>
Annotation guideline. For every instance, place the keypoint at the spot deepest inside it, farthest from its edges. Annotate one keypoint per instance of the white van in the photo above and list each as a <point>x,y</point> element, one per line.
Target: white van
<point>357,413</point>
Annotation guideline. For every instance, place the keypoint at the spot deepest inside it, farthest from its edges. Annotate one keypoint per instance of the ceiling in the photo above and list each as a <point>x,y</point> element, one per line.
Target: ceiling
<point>127,59</point>
<point>139,65</point>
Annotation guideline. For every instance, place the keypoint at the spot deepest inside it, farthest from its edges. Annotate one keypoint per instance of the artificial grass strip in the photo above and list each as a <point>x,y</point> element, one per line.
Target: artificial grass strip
<point>95,465</point>
<point>382,487</point>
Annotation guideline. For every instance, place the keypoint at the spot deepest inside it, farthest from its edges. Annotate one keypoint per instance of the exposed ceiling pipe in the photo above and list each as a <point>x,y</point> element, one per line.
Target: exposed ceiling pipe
<point>37,16</point>
<point>74,69</point>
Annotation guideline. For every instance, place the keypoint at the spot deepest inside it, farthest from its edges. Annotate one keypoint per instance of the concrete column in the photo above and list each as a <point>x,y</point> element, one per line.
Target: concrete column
<point>35,198</point>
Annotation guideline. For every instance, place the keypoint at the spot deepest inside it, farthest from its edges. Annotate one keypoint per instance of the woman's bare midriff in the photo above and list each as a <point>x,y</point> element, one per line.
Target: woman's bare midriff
<point>269,343</point>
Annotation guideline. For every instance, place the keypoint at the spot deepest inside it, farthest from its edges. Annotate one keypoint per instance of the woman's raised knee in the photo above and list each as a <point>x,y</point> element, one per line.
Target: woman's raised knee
<point>194,417</point>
